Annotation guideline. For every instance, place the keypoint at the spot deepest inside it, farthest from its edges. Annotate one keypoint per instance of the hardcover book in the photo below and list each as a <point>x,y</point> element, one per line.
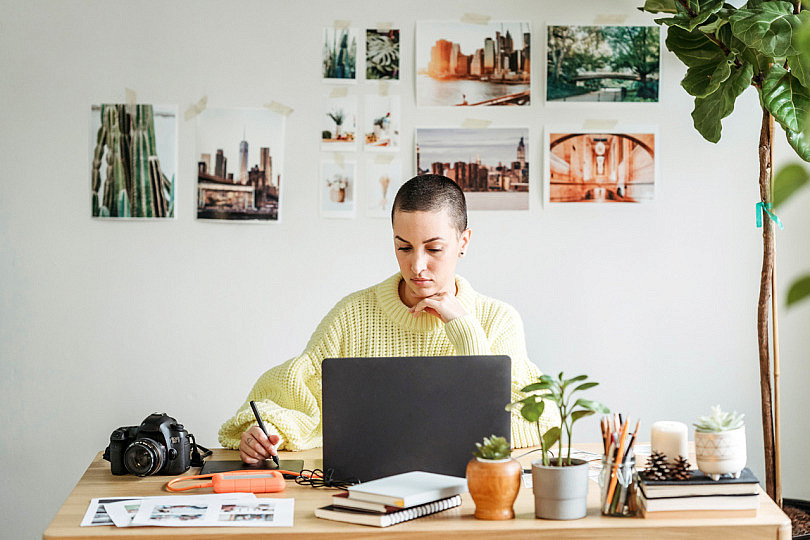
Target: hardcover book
<point>408,489</point>
<point>700,484</point>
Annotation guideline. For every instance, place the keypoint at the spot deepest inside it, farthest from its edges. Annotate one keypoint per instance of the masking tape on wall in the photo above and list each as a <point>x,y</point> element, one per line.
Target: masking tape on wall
<point>475,18</point>
<point>474,123</point>
<point>339,91</point>
<point>279,108</point>
<point>384,26</point>
<point>384,159</point>
<point>196,109</point>
<point>342,24</point>
<point>599,125</point>
<point>340,159</point>
<point>131,98</point>
<point>606,19</point>
<point>383,88</point>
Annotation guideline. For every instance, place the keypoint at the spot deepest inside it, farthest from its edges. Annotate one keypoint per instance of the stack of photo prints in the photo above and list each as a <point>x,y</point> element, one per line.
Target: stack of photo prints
<point>240,151</point>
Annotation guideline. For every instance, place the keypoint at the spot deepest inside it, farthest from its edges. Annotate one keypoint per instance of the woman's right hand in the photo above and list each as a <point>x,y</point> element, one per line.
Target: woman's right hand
<point>256,447</point>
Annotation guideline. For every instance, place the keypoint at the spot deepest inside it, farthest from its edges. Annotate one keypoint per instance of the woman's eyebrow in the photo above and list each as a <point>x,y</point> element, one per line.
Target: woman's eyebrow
<point>429,240</point>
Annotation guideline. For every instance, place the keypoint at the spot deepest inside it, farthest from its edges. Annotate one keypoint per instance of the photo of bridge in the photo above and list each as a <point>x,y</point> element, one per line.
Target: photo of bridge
<point>603,63</point>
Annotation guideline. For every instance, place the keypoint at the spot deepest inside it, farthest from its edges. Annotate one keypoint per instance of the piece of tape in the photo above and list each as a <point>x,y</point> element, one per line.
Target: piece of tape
<point>340,159</point>
<point>339,91</point>
<point>475,18</point>
<point>473,123</point>
<point>383,88</point>
<point>342,24</point>
<point>196,109</point>
<point>279,108</point>
<point>600,125</point>
<point>131,98</point>
<point>607,19</point>
<point>384,26</point>
<point>384,159</point>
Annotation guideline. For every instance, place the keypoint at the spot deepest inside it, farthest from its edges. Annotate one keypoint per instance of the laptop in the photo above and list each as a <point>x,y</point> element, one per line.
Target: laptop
<point>384,416</point>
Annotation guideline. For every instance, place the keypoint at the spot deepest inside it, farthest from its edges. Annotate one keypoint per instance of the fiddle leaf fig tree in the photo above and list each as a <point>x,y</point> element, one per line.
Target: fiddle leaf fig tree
<point>761,44</point>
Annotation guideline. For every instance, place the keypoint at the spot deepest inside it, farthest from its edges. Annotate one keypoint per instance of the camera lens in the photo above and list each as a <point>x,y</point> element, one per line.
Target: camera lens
<point>144,457</point>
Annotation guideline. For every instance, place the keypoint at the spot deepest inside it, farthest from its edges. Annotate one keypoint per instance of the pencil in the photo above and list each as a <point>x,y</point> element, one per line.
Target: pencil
<point>632,441</point>
<point>619,452</point>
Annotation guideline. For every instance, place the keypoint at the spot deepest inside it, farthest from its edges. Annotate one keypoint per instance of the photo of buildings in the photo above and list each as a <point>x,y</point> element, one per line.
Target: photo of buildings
<point>490,165</point>
<point>473,64</point>
<point>601,167</point>
<point>240,163</point>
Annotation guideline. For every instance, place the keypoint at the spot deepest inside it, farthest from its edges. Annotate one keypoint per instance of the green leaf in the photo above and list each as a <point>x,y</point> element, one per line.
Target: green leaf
<point>760,62</point>
<point>551,436</point>
<point>800,68</point>
<point>787,180</point>
<point>693,48</point>
<point>711,109</point>
<point>576,415</point>
<point>702,80</point>
<point>103,211</point>
<point>546,378</point>
<point>576,379</point>
<point>659,6</point>
<point>799,290</point>
<point>532,411</point>
<point>535,386</point>
<point>592,405</point>
<point>785,98</point>
<point>703,9</point>
<point>585,386</point>
<point>769,27</point>
<point>800,141</point>
<point>123,204</point>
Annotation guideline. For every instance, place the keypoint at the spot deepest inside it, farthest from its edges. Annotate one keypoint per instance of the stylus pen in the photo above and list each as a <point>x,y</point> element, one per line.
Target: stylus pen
<point>261,425</point>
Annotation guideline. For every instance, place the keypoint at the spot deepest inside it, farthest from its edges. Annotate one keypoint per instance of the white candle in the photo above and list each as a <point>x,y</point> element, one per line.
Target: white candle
<point>670,438</point>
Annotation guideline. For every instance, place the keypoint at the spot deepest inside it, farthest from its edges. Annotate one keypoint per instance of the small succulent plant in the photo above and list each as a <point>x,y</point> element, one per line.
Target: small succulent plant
<point>493,448</point>
<point>719,421</point>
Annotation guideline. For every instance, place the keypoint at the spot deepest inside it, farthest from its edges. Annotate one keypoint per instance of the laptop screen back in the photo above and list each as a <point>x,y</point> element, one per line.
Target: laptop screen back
<point>384,416</point>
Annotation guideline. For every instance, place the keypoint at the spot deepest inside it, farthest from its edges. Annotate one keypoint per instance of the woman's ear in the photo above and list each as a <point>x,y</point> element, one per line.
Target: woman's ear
<point>464,242</point>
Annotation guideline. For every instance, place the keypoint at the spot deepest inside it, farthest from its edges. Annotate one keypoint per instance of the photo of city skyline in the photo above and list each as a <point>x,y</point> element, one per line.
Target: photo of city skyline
<point>490,165</point>
<point>461,64</point>
<point>615,167</point>
<point>240,159</point>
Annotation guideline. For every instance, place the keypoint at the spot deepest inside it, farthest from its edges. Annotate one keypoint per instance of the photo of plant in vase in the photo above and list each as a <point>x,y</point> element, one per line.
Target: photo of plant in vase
<point>134,160</point>
<point>337,183</point>
<point>339,123</point>
<point>383,182</point>
<point>382,54</point>
<point>381,125</point>
<point>339,55</point>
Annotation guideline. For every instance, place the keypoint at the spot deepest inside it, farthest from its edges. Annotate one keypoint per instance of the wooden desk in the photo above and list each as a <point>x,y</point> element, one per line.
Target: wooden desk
<point>459,522</point>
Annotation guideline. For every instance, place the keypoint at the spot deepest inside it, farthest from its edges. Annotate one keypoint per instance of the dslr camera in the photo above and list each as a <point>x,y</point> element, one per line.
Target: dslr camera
<point>160,445</point>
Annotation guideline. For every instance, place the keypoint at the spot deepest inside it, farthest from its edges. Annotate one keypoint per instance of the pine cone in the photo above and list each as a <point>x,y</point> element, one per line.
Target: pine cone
<point>681,469</point>
<point>657,467</point>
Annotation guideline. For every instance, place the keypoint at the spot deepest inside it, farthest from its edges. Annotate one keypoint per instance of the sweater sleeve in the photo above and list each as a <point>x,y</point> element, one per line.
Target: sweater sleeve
<point>288,396</point>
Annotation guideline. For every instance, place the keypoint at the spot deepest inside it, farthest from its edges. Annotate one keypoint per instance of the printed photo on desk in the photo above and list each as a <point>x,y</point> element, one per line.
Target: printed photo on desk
<point>603,63</point>
<point>240,162</point>
<point>339,57</point>
<point>337,188</point>
<point>490,165</point>
<point>466,64</point>
<point>616,166</point>
<point>133,161</point>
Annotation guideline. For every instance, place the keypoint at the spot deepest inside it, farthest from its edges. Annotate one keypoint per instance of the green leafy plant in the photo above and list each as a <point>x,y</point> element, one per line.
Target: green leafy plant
<point>559,391</point>
<point>719,421</point>
<point>493,448</point>
<point>382,54</point>
<point>788,180</point>
<point>727,49</point>
<point>337,116</point>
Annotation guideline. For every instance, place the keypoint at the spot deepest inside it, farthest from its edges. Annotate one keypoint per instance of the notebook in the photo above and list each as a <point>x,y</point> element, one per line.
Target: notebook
<point>349,515</point>
<point>409,489</point>
<point>385,416</point>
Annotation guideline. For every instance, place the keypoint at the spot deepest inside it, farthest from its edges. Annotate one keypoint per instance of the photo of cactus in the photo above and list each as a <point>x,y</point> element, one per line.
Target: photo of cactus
<point>337,188</point>
<point>603,63</point>
<point>382,54</point>
<point>240,163</point>
<point>381,120</point>
<point>339,123</point>
<point>134,160</point>
<point>463,64</point>
<point>607,167</point>
<point>382,181</point>
<point>339,55</point>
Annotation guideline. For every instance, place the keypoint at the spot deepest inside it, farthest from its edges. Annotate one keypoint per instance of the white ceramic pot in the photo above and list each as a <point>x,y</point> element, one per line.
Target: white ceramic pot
<point>560,492</point>
<point>721,453</point>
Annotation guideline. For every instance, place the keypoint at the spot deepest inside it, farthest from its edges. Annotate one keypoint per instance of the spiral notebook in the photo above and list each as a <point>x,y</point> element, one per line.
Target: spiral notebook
<point>361,517</point>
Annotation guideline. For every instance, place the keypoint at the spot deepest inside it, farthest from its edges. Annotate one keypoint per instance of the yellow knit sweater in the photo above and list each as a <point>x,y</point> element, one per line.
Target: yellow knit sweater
<point>375,323</point>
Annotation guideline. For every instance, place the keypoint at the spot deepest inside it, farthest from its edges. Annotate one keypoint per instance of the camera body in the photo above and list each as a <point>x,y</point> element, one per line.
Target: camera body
<point>160,445</point>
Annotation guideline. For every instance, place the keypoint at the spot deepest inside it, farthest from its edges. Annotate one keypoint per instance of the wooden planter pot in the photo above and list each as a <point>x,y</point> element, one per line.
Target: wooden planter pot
<point>494,486</point>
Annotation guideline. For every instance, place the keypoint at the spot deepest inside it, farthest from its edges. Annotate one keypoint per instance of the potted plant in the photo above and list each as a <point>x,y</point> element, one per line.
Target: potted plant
<point>337,117</point>
<point>493,478</point>
<point>720,443</point>
<point>560,484</point>
<point>337,188</point>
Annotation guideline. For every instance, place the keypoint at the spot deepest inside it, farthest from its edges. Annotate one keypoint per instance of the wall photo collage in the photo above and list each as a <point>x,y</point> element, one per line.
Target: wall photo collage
<point>240,152</point>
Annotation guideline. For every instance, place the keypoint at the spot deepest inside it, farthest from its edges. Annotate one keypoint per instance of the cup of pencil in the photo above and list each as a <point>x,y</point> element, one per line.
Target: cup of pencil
<point>617,484</point>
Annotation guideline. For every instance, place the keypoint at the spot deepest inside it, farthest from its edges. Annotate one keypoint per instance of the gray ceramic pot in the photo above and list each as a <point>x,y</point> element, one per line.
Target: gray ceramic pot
<point>560,492</point>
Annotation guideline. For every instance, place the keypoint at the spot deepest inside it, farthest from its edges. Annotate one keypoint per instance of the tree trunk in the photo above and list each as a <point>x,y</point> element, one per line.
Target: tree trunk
<point>765,171</point>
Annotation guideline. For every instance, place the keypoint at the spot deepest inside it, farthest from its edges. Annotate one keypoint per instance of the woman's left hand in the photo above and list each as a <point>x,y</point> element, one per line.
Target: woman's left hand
<point>443,305</point>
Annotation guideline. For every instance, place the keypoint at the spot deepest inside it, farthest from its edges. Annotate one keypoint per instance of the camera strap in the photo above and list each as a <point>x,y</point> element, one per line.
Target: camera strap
<point>197,459</point>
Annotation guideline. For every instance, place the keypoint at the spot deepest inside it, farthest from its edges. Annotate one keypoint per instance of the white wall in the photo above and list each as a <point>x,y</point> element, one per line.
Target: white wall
<point>102,323</point>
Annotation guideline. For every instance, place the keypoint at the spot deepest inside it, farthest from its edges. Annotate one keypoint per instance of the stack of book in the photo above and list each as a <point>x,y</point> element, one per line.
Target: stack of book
<point>699,496</point>
<point>395,499</point>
